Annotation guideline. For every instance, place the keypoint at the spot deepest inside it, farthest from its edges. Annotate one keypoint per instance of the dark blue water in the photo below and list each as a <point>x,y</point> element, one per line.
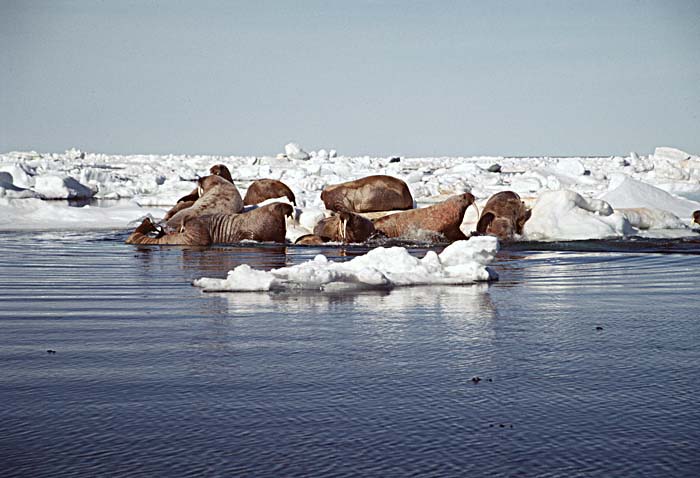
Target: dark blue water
<point>152,377</point>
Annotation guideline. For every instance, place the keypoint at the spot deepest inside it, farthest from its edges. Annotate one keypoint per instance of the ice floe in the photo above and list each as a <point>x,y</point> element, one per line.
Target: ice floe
<point>462,262</point>
<point>644,191</point>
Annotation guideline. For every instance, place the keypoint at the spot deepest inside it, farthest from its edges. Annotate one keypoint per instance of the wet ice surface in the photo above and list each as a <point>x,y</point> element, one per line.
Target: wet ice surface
<point>151,376</point>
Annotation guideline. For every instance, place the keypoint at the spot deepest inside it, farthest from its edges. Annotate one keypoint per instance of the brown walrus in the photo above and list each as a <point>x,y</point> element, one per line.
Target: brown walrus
<point>216,195</point>
<point>443,218</point>
<point>263,189</point>
<point>186,201</point>
<point>696,218</point>
<point>345,227</point>
<point>369,194</point>
<point>309,240</point>
<point>504,215</point>
<point>264,224</point>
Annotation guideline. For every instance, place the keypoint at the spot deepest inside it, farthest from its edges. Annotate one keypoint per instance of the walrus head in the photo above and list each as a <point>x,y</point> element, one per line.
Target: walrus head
<point>345,227</point>
<point>221,171</point>
<point>284,208</point>
<point>696,218</point>
<point>208,182</point>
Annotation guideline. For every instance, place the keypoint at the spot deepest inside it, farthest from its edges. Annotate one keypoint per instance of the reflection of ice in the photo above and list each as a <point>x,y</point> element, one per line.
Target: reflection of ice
<point>455,305</point>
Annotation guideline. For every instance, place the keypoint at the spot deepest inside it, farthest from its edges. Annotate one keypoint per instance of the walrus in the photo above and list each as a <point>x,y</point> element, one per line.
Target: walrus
<point>443,218</point>
<point>309,240</point>
<point>186,201</point>
<point>263,189</point>
<point>264,224</point>
<point>503,216</point>
<point>344,227</point>
<point>696,218</point>
<point>216,195</point>
<point>369,194</point>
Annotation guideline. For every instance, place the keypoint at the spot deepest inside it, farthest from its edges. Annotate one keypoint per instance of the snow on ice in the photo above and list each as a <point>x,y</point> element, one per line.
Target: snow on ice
<point>462,262</point>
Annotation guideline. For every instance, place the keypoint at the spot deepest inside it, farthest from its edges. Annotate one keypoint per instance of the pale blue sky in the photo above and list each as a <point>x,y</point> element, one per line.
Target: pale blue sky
<point>365,77</point>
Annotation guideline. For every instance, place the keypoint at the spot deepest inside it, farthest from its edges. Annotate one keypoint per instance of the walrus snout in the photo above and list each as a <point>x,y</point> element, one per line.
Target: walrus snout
<point>287,209</point>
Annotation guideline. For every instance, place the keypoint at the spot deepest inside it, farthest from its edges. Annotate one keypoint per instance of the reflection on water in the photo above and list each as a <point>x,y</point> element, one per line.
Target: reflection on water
<point>588,361</point>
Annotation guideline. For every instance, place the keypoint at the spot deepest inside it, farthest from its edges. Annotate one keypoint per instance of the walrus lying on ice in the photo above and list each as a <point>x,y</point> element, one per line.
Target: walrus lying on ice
<point>264,224</point>
<point>369,194</point>
<point>443,218</point>
<point>504,215</point>
<point>263,189</point>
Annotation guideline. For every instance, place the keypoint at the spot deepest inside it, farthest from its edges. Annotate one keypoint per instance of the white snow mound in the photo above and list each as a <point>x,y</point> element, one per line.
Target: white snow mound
<point>462,262</point>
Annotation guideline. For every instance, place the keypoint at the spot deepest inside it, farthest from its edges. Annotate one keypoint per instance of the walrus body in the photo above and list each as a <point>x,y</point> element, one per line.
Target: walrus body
<point>369,194</point>
<point>344,227</point>
<point>216,196</point>
<point>309,240</point>
<point>189,200</point>
<point>443,218</point>
<point>264,224</point>
<point>504,215</point>
<point>263,189</point>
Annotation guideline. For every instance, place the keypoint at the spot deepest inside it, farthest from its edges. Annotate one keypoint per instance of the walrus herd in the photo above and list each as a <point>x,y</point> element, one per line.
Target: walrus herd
<point>213,213</point>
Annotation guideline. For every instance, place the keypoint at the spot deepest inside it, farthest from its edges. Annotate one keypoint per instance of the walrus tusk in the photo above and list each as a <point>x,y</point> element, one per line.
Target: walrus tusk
<point>344,229</point>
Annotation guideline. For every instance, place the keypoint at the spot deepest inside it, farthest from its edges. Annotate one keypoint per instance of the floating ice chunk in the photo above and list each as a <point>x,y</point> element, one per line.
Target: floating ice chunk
<point>74,153</point>
<point>651,218</point>
<point>523,184</point>
<point>462,262</point>
<point>670,154</point>
<point>566,215</point>
<point>570,166</point>
<point>626,192</point>
<point>28,214</point>
<point>61,187</point>
<point>20,174</point>
<point>322,154</point>
<point>642,164</point>
<point>294,151</point>
<point>10,190</point>
<point>247,279</point>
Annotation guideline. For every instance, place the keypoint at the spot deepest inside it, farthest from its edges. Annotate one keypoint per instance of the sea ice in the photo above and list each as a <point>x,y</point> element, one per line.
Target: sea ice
<point>626,192</point>
<point>462,262</point>
<point>566,215</point>
<point>160,180</point>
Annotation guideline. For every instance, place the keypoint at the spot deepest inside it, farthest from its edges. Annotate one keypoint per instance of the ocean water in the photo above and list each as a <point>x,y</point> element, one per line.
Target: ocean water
<point>587,353</point>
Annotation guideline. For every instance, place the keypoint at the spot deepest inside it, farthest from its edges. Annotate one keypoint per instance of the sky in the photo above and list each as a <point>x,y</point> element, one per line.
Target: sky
<point>408,78</point>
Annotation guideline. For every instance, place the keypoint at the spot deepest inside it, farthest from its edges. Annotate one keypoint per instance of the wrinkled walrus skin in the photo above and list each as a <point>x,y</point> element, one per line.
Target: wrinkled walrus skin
<point>369,194</point>
<point>345,227</point>
<point>264,224</point>
<point>263,189</point>
<point>443,218</point>
<point>217,196</point>
<point>504,215</point>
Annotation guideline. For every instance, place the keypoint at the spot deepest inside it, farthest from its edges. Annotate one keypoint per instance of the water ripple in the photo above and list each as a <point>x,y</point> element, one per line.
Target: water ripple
<point>588,364</point>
